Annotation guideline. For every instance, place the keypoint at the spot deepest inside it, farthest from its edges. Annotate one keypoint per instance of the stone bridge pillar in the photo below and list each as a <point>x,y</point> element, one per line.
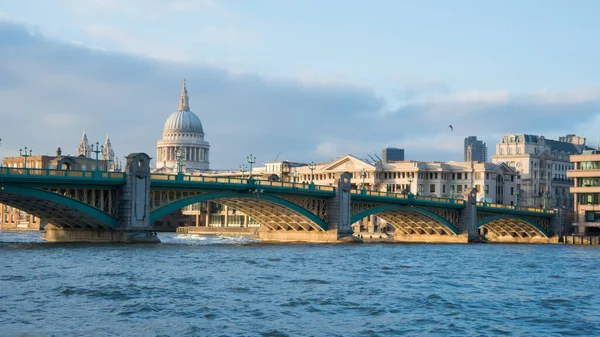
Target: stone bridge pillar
<point>134,199</point>
<point>467,225</point>
<point>338,212</point>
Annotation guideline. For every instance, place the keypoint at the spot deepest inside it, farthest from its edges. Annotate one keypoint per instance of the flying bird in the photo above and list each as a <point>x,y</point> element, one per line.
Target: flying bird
<point>451,127</point>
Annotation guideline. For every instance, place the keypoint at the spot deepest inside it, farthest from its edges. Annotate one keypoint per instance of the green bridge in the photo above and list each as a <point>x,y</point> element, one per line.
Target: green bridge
<point>121,206</point>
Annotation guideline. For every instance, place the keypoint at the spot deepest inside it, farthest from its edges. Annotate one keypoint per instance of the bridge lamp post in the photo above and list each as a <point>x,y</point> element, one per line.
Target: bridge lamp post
<point>295,176</point>
<point>312,166</point>
<point>410,180</point>
<point>97,151</point>
<point>180,157</point>
<point>243,170</point>
<point>545,199</point>
<point>363,175</point>
<point>452,189</point>
<point>250,160</point>
<point>420,190</point>
<point>25,154</point>
<point>485,191</point>
<point>517,192</point>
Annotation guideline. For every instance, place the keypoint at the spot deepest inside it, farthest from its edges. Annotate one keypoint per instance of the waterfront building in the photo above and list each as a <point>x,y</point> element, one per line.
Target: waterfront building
<point>475,150</point>
<point>183,140</point>
<point>586,191</point>
<point>495,183</point>
<point>390,154</point>
<point>542,165</point>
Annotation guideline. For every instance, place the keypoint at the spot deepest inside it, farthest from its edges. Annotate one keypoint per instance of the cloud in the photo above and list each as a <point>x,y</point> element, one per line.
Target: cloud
<point>52,90</point>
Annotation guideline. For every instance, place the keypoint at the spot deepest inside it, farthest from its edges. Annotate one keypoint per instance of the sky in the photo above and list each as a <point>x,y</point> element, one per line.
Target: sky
<point>300,80</point>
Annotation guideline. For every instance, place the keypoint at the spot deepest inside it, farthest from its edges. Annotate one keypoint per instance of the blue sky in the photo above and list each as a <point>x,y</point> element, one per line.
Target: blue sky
<point>310,79</point>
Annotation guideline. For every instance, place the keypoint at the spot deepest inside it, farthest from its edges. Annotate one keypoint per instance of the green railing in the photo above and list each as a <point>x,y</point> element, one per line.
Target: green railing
<point>515,208</point>
<point>33,172</point>
<point>238,181</point>
<point>198,179</point>
<point>406,197</point>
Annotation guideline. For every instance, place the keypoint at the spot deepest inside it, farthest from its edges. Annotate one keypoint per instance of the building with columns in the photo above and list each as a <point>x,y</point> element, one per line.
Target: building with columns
<point>183,139</point>
<point>542,165</point>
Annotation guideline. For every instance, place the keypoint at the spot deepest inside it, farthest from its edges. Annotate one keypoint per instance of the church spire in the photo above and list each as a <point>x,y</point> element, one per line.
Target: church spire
<point>183,99</point>
<point>84,149</point>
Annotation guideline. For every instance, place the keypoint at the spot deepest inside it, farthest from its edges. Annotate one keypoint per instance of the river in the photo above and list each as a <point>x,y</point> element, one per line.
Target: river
<point>232,286</point>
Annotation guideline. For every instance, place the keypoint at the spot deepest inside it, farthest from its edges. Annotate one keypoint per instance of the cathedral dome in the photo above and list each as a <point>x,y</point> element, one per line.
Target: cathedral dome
<point>183,120</point>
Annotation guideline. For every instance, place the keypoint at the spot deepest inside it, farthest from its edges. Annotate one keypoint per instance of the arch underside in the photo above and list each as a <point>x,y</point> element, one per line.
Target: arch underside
<point>512,227</point>
<point>413,223</point>
<point>61,214</point>
<point>271,215</point>
<point>272,212</point>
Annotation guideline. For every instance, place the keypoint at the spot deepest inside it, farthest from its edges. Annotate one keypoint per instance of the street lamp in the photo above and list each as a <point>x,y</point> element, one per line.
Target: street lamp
<point>420,190</point>
<point>97,151</point>
<point>25,154</point>
<point>180,157</point>
<point>250,160</point>
<point>452,189</point>
<point>485,191</point>
<point>544,199</point>
<point>517,192</point>
<point>410,180</point>
<point>312,166</point>
<point>295,175</point>
<point>243,169</point>
<point>363,175</point>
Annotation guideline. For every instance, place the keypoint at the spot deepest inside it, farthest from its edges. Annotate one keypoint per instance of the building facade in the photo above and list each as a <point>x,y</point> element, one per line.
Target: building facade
<point>182,141</point>
<point>542,165</point>
<point>585,173</point>
<point>475,150</point>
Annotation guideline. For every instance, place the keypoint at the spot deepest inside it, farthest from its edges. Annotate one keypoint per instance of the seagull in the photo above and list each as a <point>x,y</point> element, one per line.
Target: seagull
<point>451,128</point>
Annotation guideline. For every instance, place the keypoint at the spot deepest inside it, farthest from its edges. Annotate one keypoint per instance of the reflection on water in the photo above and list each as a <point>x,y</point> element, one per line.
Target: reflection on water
<point>193,285</point>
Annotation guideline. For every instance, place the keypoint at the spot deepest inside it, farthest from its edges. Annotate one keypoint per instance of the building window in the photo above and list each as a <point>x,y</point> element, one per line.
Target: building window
<point>443,188</point>
<point>432,188</point>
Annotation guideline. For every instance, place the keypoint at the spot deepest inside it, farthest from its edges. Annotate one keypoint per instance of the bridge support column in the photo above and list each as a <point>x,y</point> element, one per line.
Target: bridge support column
<point>134,200</point>
<point>338,210</point>
<point>467,225</point>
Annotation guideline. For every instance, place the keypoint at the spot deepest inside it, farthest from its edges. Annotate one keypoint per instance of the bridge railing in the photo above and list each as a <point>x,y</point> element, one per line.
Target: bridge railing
<point>33,172</point>
<point>198,179</point>
<point>515,208</point>
<point>227,180</point>
<point>407,196</point>
<point>312,187</point>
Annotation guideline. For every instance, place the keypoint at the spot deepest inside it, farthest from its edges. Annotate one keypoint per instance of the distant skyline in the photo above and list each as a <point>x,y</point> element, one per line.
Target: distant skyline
<point>312,80</point>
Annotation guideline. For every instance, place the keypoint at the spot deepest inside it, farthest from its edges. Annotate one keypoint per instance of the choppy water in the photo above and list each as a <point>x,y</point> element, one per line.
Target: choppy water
<point>218,286</point>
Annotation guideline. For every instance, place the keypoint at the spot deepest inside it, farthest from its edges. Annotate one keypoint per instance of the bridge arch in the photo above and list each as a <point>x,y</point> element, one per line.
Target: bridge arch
<point>59,210</point>
<point>395,213</point>
<point>270,211</point>
<point>507,225</point>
